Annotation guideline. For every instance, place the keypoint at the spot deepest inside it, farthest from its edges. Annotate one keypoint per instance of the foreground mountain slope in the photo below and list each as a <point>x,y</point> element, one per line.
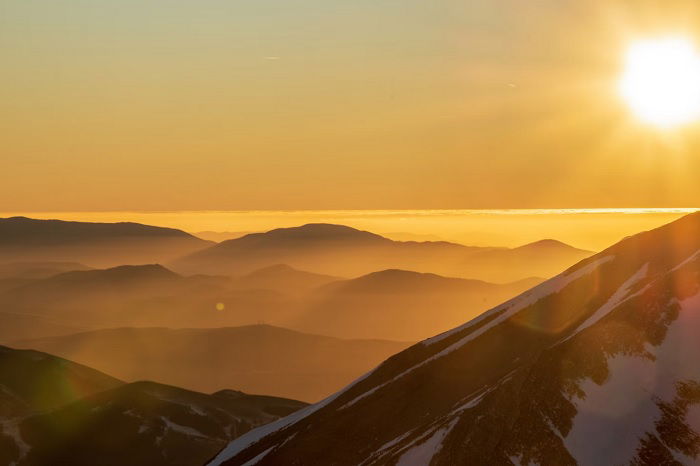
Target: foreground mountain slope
<point>145,423</point>
<point>54,411</point>
<point>343,251</point>
<point>599,365</point>
<point>256,359</point>
<point>94,244</point>
<point>33,381</point>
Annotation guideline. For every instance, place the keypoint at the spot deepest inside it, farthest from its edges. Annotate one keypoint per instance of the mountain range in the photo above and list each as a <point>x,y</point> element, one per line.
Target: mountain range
<point>256,359</point>
<point>389,305</point>
<point>347,252</point>
<point>598,365</point>
<point>93,244</point>
<point>54,411</point>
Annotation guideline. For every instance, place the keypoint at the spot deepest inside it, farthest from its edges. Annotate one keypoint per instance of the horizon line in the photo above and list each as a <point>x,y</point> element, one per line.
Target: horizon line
<point>422,212</point>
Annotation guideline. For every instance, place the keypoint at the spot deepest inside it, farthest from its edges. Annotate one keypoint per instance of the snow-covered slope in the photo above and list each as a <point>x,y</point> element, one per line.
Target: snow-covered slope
<point>599,365</point>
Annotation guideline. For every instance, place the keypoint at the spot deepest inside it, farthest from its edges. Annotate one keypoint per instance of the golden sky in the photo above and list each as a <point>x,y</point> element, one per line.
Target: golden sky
<point>323,104</point>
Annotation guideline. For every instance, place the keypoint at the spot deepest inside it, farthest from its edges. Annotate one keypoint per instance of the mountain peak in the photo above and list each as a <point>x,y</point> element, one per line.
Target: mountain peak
<point>545,244</point>
<point>314,232</point>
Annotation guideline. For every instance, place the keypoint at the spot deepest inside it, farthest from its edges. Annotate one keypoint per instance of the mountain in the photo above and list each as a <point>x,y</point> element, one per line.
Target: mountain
<point>399,305</point>
<point>282,278</point>
<point>144,423</point>
<point>54,411</point>
<point>18,326</point>
<point>218,236</point>
<point>124,295</point>
<point>32,381</point>
<point>598,365</point>
<point>343,251</point>
<point>256,359</point>
<point>36,270</point>
<point>95,244</point>
<point>540,257</point>
<point>390,305</point>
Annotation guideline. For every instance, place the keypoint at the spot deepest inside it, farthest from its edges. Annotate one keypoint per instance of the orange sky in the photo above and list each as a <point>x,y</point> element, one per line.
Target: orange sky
<point>318,104</point>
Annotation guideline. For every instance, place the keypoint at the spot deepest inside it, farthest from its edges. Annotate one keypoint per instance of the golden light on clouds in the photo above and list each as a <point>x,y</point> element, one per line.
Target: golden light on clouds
<point>661,81</point>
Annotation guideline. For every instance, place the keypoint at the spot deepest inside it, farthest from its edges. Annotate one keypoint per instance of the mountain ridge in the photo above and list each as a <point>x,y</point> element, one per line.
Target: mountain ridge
<point>532,379</point>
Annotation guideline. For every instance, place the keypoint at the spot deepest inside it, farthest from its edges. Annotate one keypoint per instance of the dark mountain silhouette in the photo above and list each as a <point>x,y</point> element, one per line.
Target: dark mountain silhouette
<point>257,359</point>
<point>94,244</point>
<point>54,411</point>
<point>399,305</point>
<point>598,365</point>
<point>31,381</point>
<point>145,423</point>
<point>344,251</point>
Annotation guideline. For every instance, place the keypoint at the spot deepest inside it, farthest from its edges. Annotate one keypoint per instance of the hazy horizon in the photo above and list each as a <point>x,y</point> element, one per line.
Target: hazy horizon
<point>592,229</point>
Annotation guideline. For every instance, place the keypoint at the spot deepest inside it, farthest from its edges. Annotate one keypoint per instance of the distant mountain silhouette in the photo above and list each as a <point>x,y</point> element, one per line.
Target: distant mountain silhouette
<point>393,304</point>
<point>344,251</point>
<point>218,236</point>
<point>258,359</point>
<point>36,270</point>
<point>399,304</point>
<point>282,278</point>
<point>94,244</point>
<point>125,295</point>
<point>598,365</point>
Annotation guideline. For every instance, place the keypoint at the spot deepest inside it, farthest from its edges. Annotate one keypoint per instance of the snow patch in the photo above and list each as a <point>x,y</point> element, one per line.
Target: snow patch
<point>180,428</point>
<point>250,437</point>
<point>528,298</point>
<point>424,452</point>
<point>690,259</point>
<point>613,417</point>
<point>620,296</point>
<point>11,429</point>
<point>509,309</point>
<point>258,458</point>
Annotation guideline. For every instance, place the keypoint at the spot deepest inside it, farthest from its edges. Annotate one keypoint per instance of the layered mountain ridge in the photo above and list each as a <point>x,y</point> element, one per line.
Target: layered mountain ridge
<point>598,365</point>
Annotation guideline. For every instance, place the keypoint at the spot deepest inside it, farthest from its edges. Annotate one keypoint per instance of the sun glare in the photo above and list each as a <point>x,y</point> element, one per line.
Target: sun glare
<point>661,81</point>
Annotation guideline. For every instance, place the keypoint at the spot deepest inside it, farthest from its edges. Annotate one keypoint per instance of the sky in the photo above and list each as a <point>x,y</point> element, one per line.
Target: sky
<point>321,104</point>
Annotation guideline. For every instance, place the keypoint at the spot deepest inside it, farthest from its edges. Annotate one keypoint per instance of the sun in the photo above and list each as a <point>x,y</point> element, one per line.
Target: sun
<point>661,81</point>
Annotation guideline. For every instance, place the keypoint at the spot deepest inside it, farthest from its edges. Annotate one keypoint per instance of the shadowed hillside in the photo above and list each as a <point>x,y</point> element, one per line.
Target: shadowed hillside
<point>54,411</point>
